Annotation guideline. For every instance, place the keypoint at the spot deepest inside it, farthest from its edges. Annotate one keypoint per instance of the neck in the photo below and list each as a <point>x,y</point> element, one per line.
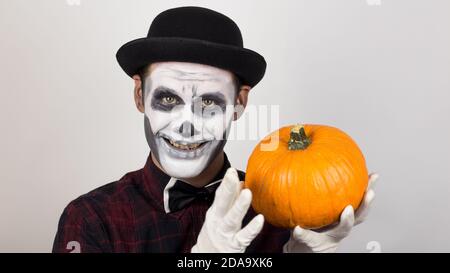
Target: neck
<point>205,176</point>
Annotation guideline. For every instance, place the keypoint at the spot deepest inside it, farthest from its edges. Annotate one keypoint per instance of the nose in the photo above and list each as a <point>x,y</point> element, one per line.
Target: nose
<point>187,129</point>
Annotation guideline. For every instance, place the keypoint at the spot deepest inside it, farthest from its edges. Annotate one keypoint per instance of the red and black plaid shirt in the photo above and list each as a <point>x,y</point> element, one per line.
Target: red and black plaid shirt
<point>128,216</point>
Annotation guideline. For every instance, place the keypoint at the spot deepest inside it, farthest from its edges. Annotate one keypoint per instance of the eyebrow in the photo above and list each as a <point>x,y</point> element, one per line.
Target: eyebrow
<point>164,90</point>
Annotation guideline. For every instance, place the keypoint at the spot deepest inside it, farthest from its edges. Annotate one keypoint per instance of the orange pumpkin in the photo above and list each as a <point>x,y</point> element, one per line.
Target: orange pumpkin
<point>313,173</point>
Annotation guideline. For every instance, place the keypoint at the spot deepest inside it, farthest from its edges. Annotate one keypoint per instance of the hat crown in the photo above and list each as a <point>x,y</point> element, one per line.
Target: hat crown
<point>196,23</point>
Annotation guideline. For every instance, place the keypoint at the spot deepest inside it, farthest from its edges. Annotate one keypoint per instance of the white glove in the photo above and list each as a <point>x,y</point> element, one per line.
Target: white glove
<point>328,238</point>
<point>221,231</point>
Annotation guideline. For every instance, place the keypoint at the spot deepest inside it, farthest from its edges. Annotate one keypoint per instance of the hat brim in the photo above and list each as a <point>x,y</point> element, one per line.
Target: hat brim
<point>248,65</point>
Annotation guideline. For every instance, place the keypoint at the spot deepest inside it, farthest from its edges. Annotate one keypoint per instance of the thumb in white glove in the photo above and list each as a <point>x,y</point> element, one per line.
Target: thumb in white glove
<point>327,239</point>
<point>221,231</point>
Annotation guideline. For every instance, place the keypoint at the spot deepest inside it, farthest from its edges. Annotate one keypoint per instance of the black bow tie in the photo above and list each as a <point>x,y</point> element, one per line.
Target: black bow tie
<point>182,194</point>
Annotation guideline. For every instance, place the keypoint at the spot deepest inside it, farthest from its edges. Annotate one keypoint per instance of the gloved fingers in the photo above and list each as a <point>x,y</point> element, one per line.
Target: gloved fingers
<point>306,236</point>
<point>346,222</point>
<point>363,210</point>
<point>373,177</point>
<point>226,193</point>
<point>233,219</point>
<point>246,235</point>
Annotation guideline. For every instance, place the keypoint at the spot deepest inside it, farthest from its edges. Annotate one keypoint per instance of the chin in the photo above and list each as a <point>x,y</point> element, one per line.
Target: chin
<point>183,168</point>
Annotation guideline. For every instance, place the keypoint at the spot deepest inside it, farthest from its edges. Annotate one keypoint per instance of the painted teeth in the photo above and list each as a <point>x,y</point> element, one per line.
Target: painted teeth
<point>184,147</point>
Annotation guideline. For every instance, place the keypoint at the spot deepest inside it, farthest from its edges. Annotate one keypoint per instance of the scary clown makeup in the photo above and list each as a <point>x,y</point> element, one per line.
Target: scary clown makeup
<point>188,112</point>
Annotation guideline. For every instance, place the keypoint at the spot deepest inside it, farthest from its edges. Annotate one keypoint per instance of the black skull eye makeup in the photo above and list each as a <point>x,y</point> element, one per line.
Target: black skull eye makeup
<point>165,99</point>
<point>213,100</point>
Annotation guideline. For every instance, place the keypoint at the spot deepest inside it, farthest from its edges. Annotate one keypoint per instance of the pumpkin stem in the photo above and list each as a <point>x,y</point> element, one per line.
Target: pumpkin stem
<point>298,139</point>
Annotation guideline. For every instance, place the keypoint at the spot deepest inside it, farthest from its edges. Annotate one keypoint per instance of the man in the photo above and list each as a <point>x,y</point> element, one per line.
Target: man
<point>190,73</point>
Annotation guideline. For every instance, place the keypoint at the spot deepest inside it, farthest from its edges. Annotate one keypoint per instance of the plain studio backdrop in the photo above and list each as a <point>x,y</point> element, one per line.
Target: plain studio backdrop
<point>378,69</point>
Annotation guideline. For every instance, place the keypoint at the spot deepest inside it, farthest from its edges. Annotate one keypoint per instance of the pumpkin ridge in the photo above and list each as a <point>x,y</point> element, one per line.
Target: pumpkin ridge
<point>277,197</point>
<point>309,174</point>
<point>332,204</point>
<point>306,190</point>
<point>259,168</point>
<point>265,169</point>
<point>351,171</point>
<point>291,172</point>
<point>275,173</point>
<point>304,207</point>
<point>344,187</point>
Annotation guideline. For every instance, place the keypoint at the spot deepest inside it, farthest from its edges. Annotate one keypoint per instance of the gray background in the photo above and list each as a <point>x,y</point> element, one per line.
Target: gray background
<point>379,72</point>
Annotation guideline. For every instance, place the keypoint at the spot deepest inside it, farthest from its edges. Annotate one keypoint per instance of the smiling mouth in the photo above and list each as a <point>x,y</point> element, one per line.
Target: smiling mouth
<point>184,147</point>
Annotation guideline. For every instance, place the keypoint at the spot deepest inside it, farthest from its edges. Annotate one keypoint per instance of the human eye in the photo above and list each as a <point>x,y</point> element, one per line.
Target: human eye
<point>207,102</point>
<point>169,100</point>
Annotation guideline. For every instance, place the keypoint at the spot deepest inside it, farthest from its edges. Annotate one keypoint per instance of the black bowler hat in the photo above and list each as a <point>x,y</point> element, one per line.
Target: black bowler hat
<point>196,35</point>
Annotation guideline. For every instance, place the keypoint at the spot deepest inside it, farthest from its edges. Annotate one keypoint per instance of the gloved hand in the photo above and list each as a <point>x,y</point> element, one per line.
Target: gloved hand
<point>327,239</point>
<point>221,231</point>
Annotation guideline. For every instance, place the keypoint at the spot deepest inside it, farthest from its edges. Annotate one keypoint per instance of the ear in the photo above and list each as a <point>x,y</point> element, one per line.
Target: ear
<point>241,101</point>
<point>138,93</point>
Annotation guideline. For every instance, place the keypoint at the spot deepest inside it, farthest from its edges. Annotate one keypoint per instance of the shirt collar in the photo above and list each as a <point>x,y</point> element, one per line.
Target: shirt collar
<point>156,183</point>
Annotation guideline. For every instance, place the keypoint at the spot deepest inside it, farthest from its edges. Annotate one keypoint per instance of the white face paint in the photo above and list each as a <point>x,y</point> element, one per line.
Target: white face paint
<point>188,111</point>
